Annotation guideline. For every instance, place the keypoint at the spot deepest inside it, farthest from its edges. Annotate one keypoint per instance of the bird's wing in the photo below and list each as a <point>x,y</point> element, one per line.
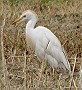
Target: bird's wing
<point>53,47</point>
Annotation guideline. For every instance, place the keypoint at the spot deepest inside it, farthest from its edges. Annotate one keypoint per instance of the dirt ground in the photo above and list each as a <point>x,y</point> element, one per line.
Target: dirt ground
<point>19,66</point>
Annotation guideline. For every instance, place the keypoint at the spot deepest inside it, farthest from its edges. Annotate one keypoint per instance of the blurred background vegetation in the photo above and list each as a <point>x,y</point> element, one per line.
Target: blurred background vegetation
<point>43,1</point>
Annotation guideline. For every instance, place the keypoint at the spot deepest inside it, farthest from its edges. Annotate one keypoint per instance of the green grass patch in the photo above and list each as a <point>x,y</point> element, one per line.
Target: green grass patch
<point>62,1</point>
<point>46,1</point>
<point>14,1</point>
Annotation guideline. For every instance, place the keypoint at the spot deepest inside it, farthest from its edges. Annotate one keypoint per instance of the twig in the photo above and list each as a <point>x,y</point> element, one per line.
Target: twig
<point>65,43</point>
<point>5,72</point>
<point>20,88</point>
<point>3,56</point>
<point>24,70</point>
<point>75,84</point>
<point>15,76</point>
<point>72,74</point>
<point>18,56</point>
<point>80,81</point>
<point>60,83</point>
<point>74,58</point>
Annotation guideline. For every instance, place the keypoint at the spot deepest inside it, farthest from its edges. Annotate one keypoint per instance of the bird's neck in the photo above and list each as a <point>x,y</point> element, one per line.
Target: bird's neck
<point>31,23</point>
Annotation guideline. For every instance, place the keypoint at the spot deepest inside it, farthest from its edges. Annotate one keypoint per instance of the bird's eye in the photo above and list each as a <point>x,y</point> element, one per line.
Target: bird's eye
<point>24,16</point>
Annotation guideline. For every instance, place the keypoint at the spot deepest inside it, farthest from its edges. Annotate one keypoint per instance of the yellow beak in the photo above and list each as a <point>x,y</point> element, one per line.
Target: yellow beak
<point>17,20</point>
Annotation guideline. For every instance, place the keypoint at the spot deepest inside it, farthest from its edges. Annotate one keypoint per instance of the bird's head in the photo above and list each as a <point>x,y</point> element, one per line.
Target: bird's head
<point>26,15</point>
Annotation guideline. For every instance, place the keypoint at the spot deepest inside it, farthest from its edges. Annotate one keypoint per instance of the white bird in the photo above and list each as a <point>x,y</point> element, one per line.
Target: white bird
<point>45,44</point>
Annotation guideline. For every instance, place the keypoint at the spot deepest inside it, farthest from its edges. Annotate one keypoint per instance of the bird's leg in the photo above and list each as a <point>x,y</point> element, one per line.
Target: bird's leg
<point>40,74</point>
<point>53,71</point>
<point>42,68</point>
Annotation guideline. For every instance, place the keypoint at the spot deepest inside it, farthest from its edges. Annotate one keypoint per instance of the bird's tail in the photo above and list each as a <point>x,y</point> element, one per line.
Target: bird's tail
<point>68,64</point>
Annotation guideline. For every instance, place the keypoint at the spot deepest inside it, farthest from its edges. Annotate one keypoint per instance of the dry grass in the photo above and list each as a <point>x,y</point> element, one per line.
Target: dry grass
<point>19,66</point>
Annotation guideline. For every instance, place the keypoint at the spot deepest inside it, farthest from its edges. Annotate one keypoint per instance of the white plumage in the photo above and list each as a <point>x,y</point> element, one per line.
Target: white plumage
<point>45,44</point>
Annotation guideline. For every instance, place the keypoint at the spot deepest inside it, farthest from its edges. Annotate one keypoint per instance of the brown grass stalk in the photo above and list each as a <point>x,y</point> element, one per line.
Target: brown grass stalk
<point>72,73</point>
<point>80,81</point>
<point>60,83</point>
<point>3,57</point>
<point>24,70</point>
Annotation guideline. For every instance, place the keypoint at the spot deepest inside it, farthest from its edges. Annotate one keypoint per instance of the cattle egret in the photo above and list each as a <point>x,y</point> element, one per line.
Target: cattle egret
<point>45,44</point>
